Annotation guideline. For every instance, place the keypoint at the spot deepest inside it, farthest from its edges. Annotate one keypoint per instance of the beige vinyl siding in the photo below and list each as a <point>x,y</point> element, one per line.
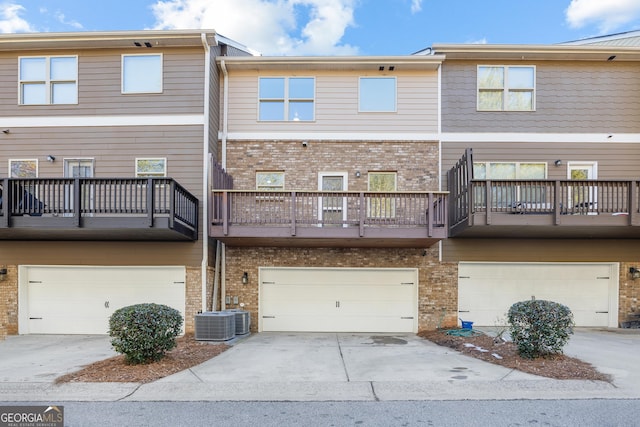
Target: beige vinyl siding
<point>546,250</point>
<point>99,85</point>
<point>100,253</point>
<point>336,104</point>
<point>571,97</point>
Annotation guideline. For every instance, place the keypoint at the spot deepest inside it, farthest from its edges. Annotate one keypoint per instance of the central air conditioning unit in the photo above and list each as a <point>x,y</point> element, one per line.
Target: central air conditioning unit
<point>215,326</point>
<point>243,321</point>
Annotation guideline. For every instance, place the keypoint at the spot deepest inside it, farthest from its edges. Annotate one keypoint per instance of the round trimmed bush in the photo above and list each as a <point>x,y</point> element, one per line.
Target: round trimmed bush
<point>144,332</point>
<point>539,327</point>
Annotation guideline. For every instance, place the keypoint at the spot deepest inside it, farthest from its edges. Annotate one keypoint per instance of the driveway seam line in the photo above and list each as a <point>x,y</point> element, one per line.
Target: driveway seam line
<point>344,365</point>
<point>130,394</point>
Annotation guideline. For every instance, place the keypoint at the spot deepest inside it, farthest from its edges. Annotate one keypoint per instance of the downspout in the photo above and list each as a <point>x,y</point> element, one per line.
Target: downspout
<point>225,123</point>
<point>205,170</point>
<point>440,146</point>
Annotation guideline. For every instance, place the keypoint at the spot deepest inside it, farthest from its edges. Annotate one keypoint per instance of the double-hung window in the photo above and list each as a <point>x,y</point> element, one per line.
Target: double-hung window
<point>377,95</point>
<point>286,98</point>
<point>506,88</point>
<point>142,73</point>
<point>48,80</point>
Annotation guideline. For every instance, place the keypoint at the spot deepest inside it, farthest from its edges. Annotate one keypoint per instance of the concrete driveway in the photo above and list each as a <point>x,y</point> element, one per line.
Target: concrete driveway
<point>318,366</point>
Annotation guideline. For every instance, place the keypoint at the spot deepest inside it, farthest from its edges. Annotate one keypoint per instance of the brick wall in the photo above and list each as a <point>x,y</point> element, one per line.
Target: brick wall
<point>416,163</point>
<point>629,300</point>
<point>437,292</point>
<point>9,296</point>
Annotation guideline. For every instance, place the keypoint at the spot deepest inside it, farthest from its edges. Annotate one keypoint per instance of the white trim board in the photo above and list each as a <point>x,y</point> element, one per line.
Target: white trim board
<point>542,137</point>
<point>96,121</point>
<point>332,136</point>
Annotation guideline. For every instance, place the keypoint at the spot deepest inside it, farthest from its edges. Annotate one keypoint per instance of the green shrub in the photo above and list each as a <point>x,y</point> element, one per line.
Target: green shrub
<point>539,327</point>
<point>144,332</point>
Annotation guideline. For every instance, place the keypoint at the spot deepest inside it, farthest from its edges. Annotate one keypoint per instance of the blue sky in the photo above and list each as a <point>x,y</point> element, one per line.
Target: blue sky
<point>336,27</point>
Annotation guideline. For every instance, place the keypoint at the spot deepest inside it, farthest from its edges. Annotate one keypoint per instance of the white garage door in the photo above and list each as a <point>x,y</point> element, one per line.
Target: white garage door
<point>80,300</point>
<point>338,300</point>
<point>487,290</point>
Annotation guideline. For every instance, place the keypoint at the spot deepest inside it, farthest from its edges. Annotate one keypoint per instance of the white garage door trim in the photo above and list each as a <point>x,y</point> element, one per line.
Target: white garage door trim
<point>338,299</point>
<point>80,299</point>
<point>592,288</point>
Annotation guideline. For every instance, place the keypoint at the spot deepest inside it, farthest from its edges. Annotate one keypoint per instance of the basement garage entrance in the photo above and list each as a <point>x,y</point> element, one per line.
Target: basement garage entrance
<point>487,290</point>
<point>80,300</point>
<point>338,300</point>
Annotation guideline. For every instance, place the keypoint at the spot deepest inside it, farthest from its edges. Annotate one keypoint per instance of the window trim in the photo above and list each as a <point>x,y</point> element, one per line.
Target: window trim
<point>286,100</point>
<point>505,89</point>
<point>517,166</point>
<point>137,92</point>
<point>11,161</point>
<point>395,94</point>
<point>48,82</point>
<point>142,174</point>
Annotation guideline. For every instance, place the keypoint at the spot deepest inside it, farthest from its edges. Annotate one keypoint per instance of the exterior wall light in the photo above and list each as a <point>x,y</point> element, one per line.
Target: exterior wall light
<point>245,278</point>
<point>635,273</point>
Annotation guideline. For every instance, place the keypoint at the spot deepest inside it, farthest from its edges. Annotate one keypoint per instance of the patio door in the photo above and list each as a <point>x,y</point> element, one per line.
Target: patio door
<point>332,209</point>
<point>78,168</point>
<point>583,197</point>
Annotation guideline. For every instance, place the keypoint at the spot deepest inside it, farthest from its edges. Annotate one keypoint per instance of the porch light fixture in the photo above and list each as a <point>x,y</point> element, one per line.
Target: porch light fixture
<point>245,278</point>
<point>5,131</point>
<point>635,273</point>
<point>558,162</point>
<point>3,273</point>
<point>51,158</point>
<point>357,174</point>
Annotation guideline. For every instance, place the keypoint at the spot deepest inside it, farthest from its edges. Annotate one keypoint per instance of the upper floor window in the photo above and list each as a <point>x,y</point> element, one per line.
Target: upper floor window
<point>151,167</point>
<point>377,94</point>
<point>286,98</point>
<point>269,181</point>
<point>48,80</point>
<point>23,168</point>
<point>142,73</point>
<point>506,88</point>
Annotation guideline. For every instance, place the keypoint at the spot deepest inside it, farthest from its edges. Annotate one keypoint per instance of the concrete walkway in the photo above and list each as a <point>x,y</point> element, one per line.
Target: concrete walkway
<point>318,367</point>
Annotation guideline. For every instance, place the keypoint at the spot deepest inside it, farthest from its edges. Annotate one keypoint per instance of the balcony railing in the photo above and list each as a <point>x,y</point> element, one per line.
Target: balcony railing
<point>547,208</point>
<point>97,208</point>
<point>317,218</point>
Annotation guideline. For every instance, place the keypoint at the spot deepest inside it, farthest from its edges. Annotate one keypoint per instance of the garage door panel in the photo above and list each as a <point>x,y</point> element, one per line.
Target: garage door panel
<point>80,300</point>
<point>487,290</point>
<point>338,300</point>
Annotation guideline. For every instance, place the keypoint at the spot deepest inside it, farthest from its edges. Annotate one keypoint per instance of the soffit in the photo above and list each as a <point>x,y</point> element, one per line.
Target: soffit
<point>538,52</point>
<point>334,63</point>
<point>104,40</point>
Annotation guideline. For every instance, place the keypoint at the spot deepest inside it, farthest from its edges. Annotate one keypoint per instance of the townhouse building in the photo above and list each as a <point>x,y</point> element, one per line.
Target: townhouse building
<point>540,152</point>
<point>104,155</point>
<point>327,199</point>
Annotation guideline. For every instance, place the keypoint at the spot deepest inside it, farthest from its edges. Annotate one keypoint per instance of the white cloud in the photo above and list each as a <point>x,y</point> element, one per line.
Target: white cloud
<point>607,15</point>
<point>282,27</point>
<point>10,20</point>
<point>416,6</point>
<point>60,17</point>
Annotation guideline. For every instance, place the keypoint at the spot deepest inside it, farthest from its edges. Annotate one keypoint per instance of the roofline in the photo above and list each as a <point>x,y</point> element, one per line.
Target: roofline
<point>550,52</point>
<point>597,39</point>
<point>115,39</point>
<point>319,62</point>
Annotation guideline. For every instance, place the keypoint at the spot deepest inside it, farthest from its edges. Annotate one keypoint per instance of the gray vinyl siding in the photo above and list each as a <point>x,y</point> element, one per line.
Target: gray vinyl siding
<point>214,103</point>
<point>532,250</point>
<point>571,97</point>
<point>336,105</point>
<point>99,85</point>
<point>615,160</point>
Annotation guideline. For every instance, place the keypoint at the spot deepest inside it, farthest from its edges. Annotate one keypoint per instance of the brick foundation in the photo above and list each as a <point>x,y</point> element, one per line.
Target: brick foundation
<point>629,293</point>
<point>437,291</point>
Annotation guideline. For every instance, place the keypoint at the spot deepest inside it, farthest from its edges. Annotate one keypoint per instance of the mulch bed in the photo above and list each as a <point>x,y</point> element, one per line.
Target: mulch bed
<point>556,366</point>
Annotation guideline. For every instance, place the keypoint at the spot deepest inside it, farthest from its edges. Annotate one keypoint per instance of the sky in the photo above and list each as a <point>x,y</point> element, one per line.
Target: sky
<point>336,27</point>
